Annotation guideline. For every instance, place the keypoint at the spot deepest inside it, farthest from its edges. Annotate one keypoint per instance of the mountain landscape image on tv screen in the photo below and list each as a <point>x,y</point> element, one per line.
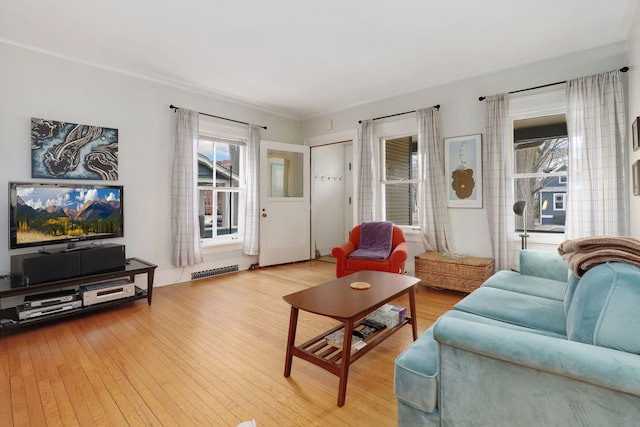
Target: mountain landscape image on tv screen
<point>47,214</point>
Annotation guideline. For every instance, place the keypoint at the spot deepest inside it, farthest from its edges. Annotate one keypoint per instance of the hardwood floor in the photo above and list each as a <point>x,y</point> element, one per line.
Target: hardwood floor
<point>205,353</point>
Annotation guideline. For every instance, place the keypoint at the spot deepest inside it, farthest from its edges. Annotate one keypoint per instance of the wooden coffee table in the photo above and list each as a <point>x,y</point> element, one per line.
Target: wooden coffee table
<point>336,299</point>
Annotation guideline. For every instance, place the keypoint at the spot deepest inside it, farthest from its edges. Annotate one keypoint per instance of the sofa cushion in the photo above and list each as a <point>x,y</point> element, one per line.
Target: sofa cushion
<point>519,309</point>
<point>544,264</point>
<point>530,285</point>
<point>605,308</point>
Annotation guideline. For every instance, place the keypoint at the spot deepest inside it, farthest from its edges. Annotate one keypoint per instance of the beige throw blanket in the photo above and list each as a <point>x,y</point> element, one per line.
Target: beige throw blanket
<point>587,252</point>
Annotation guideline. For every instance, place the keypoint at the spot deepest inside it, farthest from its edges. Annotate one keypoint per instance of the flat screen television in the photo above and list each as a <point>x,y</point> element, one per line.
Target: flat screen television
<point>42,214</point>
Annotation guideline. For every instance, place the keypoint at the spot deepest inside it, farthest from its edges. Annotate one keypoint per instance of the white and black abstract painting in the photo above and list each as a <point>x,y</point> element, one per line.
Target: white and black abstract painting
<point>73,151</point>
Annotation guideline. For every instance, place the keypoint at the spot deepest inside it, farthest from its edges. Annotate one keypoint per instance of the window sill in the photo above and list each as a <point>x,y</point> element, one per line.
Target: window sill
<point>410,229</point>
<point>221,246</point>
<point>542,239</point>
<point>411,233</point>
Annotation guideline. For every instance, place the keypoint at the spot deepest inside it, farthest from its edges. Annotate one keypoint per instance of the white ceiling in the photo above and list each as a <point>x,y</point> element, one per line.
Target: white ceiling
<point>300,58</point>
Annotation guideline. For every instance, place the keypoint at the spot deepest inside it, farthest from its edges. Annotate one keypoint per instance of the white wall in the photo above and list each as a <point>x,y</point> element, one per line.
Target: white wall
<point>634,111</point>
<point>462,114</point>
<point>33,84</point>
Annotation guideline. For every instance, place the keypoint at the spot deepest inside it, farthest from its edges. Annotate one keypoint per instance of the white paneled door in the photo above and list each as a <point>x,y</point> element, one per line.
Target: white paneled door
<point>284,203</point>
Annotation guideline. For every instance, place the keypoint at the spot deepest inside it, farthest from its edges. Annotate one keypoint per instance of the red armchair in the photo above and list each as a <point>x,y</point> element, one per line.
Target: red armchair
<point>394,262</point>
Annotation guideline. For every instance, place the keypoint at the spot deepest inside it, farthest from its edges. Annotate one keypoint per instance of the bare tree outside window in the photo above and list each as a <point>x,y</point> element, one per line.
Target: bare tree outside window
<point>540,160</point>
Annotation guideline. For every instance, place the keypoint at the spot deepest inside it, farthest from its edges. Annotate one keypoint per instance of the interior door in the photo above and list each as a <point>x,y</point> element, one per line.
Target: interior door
<point>284,203</point>
<point>331,193</point>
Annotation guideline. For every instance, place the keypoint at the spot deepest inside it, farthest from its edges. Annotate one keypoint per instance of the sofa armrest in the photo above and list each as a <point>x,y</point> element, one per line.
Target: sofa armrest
<point>545,264</point>
<point>600,366</point>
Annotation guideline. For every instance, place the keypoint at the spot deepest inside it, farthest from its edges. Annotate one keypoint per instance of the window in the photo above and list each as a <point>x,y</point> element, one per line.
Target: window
<point>399,179</point>
<point>558,201</point>
<point>220,188</point>
<point>540,163</point>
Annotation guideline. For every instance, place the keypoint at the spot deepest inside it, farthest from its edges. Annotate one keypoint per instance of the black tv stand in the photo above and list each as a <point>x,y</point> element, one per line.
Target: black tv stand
<point>72,247</point>
<point>78,248</point>
<point>11,288</point>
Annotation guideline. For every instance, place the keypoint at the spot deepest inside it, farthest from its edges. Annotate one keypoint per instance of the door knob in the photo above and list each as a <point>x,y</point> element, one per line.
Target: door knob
<point>264,215</point>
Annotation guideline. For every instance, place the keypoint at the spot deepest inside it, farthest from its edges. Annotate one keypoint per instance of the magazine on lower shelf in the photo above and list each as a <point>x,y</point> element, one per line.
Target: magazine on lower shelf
<point>336,339</point>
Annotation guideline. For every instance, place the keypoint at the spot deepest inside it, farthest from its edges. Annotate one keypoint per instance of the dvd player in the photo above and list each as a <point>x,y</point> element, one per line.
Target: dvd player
<point>26,313</point>
<point>50,298</point>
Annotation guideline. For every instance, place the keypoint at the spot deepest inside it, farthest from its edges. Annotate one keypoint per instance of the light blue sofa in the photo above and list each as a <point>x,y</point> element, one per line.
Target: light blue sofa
<point>535,348</point>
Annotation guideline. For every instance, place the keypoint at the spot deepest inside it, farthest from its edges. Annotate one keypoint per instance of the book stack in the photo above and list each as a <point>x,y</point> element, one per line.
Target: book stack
<point>336,339</point>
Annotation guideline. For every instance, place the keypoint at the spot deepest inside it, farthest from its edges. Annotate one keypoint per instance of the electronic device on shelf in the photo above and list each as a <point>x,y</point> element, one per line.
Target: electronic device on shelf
<point>42,214</point>
<point>39,267</point>
<point>31,313</point>
<point>50,298</point>
<point>107,291</point>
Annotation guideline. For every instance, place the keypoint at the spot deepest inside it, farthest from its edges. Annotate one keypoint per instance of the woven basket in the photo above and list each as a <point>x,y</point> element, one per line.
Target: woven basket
<point>458,274</point>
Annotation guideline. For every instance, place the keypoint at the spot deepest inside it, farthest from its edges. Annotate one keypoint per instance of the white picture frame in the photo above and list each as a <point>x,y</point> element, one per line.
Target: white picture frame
<point>636,177</point>
<point>463,171</point>
<point>635,137</point>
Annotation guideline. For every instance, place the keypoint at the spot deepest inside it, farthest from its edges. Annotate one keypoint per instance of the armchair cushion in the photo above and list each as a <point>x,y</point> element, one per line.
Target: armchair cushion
<point>375,240</point>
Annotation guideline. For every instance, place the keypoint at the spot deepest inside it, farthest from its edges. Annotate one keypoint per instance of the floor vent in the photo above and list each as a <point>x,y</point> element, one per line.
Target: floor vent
<point>214,272</point>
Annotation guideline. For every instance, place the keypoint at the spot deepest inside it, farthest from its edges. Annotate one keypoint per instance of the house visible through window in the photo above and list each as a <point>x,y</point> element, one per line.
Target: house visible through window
<point>558,201</point>
<point>399,179</point>
<point>220,188</point>
<point>540,163</point>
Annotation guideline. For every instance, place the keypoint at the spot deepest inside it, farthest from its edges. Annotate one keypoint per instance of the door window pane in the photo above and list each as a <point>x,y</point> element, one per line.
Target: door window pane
<point>285,174</point>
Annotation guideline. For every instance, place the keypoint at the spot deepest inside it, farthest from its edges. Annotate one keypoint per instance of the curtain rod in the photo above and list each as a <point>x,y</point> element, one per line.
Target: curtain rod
<point>482,98</point>
<point>437,107</point>
<point>174,108</point>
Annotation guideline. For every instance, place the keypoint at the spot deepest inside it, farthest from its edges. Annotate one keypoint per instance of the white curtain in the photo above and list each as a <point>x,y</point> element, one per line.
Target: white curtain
<point>498,168</point>
<point>185,227</point>
<point>431,192</point>
<point>251,245</point>
<point>366,187</point>
<point>596,192</point>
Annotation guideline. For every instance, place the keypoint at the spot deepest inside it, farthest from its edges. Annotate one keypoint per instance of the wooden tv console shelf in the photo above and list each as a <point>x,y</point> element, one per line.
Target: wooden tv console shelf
<point>134,266</point>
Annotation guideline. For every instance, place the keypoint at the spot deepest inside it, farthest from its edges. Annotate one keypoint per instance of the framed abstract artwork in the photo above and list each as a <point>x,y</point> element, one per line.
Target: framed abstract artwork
<point>463,171</point>
<point>72,151</point>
